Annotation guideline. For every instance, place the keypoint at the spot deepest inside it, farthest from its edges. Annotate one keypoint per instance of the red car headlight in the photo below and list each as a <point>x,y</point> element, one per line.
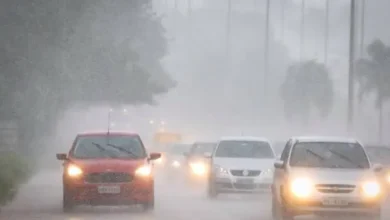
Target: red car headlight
<point>144,171</point>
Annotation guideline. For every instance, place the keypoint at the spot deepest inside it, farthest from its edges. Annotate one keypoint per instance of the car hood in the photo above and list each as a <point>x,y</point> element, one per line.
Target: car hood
<point>244,163</point>
<point>104,165</point>
<point>333,176</point>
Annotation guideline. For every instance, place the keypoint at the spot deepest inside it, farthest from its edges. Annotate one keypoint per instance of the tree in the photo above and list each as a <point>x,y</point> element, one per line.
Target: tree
<point>373,77</point>
<point>307,85</point>
<point>58,53</point>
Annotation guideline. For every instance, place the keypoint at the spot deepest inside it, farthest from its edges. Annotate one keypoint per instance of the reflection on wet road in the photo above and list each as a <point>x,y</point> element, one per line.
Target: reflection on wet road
<point>41,199</point>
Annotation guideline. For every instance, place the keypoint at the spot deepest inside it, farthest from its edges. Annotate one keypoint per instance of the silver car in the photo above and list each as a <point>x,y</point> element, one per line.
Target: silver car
<point>325,176</point>
<point>241,165</point>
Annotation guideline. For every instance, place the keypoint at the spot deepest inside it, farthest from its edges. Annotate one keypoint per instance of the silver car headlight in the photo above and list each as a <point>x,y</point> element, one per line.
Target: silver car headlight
<point>175,163</point>
<point>220,170</point>
<point>268,173</point>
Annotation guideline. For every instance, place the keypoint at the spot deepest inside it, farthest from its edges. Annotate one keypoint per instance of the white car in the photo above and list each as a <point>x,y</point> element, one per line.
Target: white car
<point>325,176</point>
<point>241,164</point>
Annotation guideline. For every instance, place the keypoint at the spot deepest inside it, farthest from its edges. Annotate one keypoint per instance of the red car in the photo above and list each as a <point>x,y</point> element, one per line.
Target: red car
<point>108,169</point>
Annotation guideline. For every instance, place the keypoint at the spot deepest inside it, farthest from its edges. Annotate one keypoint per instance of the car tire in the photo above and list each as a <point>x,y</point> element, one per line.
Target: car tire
<point>148,206</point>
<point>279,212</point>
<point>67,202</point>
<point>212,190</point>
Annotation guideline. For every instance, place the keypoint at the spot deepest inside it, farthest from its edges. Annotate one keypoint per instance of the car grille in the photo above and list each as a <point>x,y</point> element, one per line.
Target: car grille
<point>335,188</point>
<point>241,172</point>
<point>108,177</point>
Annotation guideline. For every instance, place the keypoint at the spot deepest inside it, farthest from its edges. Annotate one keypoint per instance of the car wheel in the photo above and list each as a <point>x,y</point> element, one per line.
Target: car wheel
<point>67,202</point>
<point>212,190</point>
<point>278,212</point>
<point>148,206</point>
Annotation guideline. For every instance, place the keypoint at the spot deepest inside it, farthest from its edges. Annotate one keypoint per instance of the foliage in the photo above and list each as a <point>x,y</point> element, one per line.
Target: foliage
<point>14,172</point>
<point>372,73</point>
<point>57,53</point>
<point>307,85</point>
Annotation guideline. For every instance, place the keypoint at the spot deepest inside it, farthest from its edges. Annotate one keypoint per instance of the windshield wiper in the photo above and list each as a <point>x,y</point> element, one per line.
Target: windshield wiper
<point>315,154</point>
<point>345,158</point>
<point>102,149</point>
<point>122,149</point>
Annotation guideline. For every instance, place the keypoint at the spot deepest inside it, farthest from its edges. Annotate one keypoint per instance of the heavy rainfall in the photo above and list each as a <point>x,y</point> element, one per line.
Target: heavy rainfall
<point>142,87</point>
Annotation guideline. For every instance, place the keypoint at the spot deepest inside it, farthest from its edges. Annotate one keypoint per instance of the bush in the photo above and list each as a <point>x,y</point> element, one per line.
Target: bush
<point>13,171</point>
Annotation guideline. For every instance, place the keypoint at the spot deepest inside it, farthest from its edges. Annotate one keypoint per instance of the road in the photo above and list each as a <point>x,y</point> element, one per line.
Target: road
<point>41,199</point>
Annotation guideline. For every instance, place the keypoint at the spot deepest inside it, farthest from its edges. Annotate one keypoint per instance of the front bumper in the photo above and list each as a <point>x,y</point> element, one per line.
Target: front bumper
<point>232,184</point>
<point>354,204</point>
<point>135,192</point>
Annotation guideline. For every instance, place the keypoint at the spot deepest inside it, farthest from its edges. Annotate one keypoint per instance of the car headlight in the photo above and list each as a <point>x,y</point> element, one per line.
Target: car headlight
<point>158,161</point>
<point>220,170</point>
<point>144,171</point>
<point>268,172</point>
<point>371,189</point>
<point>73,171</point>
<point>301,187</point>
<point>175,164</point>
<point>198,168</point>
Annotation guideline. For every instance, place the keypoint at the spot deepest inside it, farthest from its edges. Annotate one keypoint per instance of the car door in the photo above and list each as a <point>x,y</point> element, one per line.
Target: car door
<point>280,173</point>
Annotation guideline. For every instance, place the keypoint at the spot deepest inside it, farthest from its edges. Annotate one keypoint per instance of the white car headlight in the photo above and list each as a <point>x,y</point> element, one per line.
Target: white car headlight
<point>301,187</point>
<point>371,189</point>
<point>175,163</point>
<point>268,172</point>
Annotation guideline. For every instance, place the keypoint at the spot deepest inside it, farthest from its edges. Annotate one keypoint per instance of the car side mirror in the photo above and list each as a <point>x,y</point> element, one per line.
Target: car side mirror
<point>207,155</point>
<point>154,156</point>
<point>61,156</point>
<point>377,167</point>
<point>279,164</point>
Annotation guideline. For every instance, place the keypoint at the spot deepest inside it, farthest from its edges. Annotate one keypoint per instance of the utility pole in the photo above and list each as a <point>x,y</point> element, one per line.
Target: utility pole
<point>283,5</point>
<point>351,73</point>
<point>362,24</point>
<point>301,48</point>
<point>326,32</point>
<point>266,50</point>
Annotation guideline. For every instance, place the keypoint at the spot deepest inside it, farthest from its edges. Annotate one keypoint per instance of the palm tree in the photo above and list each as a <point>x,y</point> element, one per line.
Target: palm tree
<point>307,86</point>
<point>373,77</point>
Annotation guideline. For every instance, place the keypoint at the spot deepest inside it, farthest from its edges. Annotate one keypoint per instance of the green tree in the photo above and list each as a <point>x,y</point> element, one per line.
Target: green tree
<point>372,76</point>
<point>307,86</point>
<point>58,53</point>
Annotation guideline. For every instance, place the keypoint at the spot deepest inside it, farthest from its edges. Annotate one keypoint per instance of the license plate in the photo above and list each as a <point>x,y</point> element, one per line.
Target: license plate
<point>109,189</point>
<point>334,202</point>
<point>245,181</point>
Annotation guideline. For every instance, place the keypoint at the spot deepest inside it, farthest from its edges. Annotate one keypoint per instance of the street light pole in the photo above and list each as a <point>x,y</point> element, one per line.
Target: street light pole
<point>326,31</point>
<point>283,18</point>
<point>351,77</point>
<point>266,50</point>
<point>302,32</point>
<point>362,25</point>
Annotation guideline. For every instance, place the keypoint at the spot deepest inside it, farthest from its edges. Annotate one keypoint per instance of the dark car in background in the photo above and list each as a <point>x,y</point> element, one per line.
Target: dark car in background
<point>197,160</point>
<point>380,154</point>
<point>175,159</point>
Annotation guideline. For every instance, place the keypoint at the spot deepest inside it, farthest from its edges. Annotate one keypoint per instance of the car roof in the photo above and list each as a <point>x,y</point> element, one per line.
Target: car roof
<point>324,139</point>
<point>244,138</point>
<point>104,133</point>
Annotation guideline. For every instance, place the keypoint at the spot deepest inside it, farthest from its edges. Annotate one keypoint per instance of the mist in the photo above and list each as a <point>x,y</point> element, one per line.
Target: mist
<point>194,69</point>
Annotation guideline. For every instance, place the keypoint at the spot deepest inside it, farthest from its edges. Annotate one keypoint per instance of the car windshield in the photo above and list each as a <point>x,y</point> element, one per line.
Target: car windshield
<point>180,149</point>
<point>244,149</point>
<point>379,154</point>
<point>202,148</point>
<point>111,146</point>
<point>329,155</point>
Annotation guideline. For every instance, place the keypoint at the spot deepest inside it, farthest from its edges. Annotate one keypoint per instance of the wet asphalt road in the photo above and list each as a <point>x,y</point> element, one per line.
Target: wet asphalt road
<point>175,200</point>
<point>41,199</point>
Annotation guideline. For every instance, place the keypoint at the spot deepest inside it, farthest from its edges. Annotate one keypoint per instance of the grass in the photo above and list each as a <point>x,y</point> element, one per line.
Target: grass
<point>14,170</point>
